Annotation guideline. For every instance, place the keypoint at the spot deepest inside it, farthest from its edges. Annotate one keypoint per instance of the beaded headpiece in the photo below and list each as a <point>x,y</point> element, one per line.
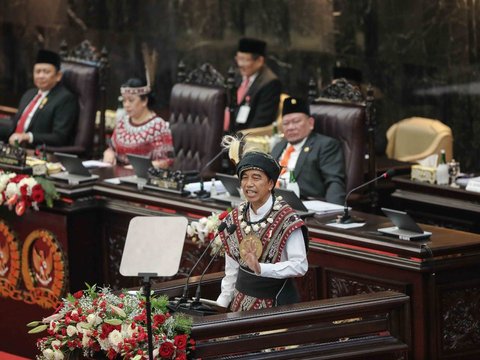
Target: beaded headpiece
<point>143,90</point>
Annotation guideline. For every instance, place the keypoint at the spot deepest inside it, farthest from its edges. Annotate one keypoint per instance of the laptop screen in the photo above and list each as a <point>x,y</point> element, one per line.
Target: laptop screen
<point>140,165</point>
<point>402,220</point>
<point>231,183</point>
<point>72,164</point>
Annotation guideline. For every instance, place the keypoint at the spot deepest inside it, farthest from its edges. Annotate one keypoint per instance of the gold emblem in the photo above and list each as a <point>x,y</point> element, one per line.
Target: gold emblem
<point>247,243</point>
<point>294,101</point>
<point>306,149</point>
<point>42,104</point>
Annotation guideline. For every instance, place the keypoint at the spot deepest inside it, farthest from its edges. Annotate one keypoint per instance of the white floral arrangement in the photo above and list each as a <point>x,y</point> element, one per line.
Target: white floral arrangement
<point>21,192</point>
<point>203,231</point>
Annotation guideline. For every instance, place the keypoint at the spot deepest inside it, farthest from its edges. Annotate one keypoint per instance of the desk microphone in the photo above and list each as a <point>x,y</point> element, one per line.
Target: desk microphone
<point>346,218</point>
<point>183,299</point>
<point>196,303</point>
<point>202,193</point>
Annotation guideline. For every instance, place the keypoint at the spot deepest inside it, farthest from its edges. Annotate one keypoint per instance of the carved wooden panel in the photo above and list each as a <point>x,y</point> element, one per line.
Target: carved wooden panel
<point>346,284</point>
<point>460,318</point>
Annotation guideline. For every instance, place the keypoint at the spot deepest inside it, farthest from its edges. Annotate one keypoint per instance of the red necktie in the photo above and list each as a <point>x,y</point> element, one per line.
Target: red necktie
<point>23,119</point>
<point>242,90</point>
<point>286,158</point>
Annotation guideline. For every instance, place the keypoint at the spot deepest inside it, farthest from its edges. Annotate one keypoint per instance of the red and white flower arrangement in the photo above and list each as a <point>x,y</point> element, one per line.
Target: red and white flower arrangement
<point>20,192</point>
<point>94,323</point>
<point>203,231</point>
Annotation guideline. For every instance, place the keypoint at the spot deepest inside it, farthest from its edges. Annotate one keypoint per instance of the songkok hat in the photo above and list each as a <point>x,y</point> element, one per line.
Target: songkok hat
<point>347,73</point>
<point>295,105</point>
<point>253,46</point>
<point>256,160</point>
<point>48,57</point>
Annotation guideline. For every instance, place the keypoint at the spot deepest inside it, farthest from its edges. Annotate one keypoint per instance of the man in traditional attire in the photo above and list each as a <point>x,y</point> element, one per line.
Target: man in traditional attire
<point>47,114</point>
<point>268,248</point>
<point>314,161</point>
<point>258,93</point>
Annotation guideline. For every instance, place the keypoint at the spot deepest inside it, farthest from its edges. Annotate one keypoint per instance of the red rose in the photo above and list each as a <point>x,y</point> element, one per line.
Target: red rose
<point>24,190</point>
<point>16,179</point>
<point>38,195</point>
<point>166,350</point>
<point>180,341</point>
<point>181,357</point>
<point>158,319</point>
<point>78,294</point>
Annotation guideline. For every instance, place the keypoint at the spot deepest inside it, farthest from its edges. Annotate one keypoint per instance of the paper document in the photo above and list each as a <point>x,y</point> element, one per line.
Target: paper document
<point>207,185</point>
<point>322,207</point>
<point>95,164</point>
<point>346,226</point>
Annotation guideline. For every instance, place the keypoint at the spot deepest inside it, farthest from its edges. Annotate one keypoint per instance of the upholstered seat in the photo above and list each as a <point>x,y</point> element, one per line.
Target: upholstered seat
<point>83,78</point>
<point>416,138</point>
<point>196,122</point>
<point>347,123</point>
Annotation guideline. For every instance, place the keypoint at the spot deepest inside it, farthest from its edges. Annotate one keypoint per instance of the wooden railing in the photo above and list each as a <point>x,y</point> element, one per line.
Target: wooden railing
<point>373,326</point>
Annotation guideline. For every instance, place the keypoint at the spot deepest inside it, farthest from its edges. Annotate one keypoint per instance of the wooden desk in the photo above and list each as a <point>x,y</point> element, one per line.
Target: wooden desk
<point>438,204</point>
<point>441,276</point>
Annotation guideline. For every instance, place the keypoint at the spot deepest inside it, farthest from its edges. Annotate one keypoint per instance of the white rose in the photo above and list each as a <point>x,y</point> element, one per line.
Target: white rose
<point>11,190</point>
<point>115,338</point>
<point>71,330</point>
<point>56,344</point>
<point>58,355</point>
<point>85,341</point>
<point>48,353</point>
<point>190,230</point>
<point>94,319</point>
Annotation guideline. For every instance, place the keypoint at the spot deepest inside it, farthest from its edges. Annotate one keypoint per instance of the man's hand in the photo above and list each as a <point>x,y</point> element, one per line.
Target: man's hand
<point>20,137</point>
<point>251,257</point>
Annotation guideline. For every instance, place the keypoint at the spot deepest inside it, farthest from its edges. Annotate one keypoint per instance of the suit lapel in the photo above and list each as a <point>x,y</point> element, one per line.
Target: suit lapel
<point>303,156</point>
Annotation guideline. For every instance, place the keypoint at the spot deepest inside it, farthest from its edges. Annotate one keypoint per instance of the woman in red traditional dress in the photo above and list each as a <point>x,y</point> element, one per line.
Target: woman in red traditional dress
<point>140,131</point>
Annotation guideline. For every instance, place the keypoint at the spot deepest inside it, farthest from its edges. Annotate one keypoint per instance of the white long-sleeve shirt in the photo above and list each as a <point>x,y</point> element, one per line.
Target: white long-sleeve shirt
<point>293,261</point>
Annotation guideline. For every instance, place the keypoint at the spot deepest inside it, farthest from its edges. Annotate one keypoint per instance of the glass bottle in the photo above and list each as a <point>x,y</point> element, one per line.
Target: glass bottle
<point>443,176</point>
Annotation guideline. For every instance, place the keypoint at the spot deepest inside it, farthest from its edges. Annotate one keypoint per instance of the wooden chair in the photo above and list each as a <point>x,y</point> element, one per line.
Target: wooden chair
<point>84,73</point>
<point>197,107</point>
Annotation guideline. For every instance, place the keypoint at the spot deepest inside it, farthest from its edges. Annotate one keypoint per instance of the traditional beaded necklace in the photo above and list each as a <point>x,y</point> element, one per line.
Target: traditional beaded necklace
<point>248,225</point>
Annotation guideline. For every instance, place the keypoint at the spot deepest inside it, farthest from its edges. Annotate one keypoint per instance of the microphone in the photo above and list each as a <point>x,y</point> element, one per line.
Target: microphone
<point>202,193</point>
<point>196,304</point>
<point>183,299</point>
<point>346,218</point>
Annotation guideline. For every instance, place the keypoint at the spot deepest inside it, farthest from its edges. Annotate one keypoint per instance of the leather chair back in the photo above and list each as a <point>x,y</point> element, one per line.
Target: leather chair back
<point>196,123</point>
<point>416,138</point>
<point>347,123</point>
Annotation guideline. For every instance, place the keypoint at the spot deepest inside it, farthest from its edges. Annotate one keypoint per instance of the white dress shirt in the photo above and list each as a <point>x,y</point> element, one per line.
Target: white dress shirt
<point>293,261</point>
<point>292,162</point>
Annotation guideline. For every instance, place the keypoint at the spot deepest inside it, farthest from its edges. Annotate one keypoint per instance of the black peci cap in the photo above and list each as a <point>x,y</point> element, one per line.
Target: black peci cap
<point>295,105</point>
<point>48,57</point>
<point>253,46</point>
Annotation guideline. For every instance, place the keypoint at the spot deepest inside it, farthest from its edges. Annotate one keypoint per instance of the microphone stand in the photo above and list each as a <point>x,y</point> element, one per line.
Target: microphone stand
<point>202,193</point>
<point>346,218</point>
<point>197,304</point>
<point>184,297</point>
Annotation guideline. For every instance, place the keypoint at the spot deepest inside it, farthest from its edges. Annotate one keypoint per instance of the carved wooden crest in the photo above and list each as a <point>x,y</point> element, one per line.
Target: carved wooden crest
<point>206,75</point>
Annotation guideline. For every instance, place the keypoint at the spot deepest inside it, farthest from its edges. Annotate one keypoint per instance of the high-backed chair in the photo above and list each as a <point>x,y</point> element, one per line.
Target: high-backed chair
<point>347,123</point>
<point>84,75</point>
<point>196,121</point>
<point>416,138</point>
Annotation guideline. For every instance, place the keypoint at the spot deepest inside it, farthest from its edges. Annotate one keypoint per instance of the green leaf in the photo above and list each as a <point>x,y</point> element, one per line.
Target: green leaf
<point>38,329</point>
<point>113,321</point>
<point>34,323</point>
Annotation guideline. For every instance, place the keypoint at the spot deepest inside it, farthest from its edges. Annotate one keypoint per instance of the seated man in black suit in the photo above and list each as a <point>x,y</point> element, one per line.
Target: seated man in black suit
<point>258,93</point>
<point>313,160</point>
<point>47,114</point>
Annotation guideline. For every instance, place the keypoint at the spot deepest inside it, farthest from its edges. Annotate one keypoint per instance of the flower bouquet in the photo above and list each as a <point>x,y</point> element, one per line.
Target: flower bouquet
<point>203,231</point>
<point>23,191</point>
<point>90,323</point>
